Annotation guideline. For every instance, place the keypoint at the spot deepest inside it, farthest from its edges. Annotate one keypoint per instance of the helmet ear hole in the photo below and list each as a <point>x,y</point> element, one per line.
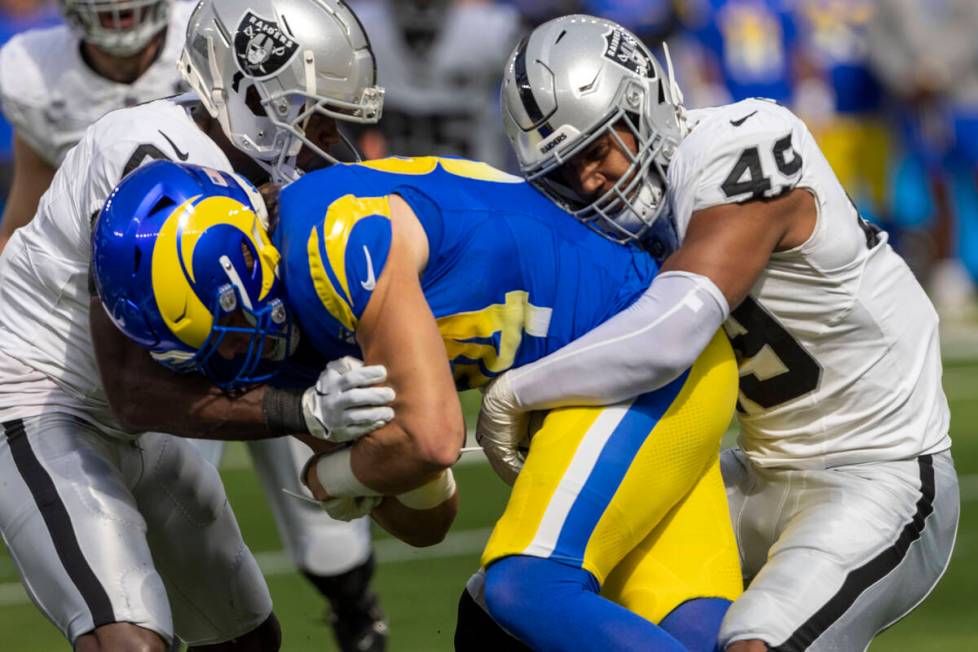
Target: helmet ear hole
<point>137,258</point>
<point>249,257</point>
<point>253,101</point>
<point>164,202</point>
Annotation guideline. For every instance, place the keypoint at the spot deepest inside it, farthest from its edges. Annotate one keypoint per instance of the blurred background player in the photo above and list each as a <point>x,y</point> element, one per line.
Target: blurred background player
<point>56,81</point>
<point>926,57</point>
<point>440,63</point>
<point>49,371</point>
<point>18,16</point>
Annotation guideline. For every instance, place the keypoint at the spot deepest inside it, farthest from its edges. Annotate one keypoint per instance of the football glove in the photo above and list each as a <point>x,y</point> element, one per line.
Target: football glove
<point>348,508</point>
<point>343,405</point>
<point>502,429</point>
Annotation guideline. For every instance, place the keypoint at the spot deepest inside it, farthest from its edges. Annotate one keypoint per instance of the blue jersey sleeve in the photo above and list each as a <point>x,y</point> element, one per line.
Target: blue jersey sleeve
<point>347,254</point>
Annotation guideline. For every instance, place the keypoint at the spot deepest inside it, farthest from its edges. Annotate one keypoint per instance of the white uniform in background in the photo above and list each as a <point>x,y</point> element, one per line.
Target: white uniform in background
<point>443,99</point>
<point>845,455</point>
<point>50,95</point>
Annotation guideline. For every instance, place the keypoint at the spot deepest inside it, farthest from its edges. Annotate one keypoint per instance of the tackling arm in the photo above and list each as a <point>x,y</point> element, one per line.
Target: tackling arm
<point>398,330</point>
<point>145,396</point>
<point>32,176</point>
<point>725,250</point>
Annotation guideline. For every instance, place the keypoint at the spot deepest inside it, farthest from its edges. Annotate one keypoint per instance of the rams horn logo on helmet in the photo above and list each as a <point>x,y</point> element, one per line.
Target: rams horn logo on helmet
<point>261,48</point>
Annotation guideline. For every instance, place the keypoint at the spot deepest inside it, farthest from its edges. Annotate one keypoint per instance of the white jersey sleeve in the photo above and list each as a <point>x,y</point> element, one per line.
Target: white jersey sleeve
<point>44,295</point>
<point>50,95</point>
<point>837,342</point>
<point>736,153</point>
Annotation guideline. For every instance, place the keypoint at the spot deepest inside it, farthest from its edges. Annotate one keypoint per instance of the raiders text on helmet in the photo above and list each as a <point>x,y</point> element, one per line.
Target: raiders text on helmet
<point>573,80</point>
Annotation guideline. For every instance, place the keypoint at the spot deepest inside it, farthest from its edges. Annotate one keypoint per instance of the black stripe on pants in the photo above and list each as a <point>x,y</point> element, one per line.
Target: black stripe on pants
<point>58,523</point>
<point>860,579</point>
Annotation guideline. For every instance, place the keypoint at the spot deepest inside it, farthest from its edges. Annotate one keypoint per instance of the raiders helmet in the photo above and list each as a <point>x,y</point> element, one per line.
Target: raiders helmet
<point>119,27</point>
<point>265,67</point>
<point>573,80</point>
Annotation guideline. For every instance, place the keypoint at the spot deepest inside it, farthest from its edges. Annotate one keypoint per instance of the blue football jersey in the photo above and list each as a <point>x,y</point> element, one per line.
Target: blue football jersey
<point>510,276</point>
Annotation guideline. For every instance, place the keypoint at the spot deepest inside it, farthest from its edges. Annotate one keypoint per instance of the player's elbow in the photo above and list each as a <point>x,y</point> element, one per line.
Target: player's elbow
<point>441,444</point>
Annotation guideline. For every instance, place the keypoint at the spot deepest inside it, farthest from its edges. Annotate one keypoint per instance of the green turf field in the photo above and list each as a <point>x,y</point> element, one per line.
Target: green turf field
<point>420,588</point>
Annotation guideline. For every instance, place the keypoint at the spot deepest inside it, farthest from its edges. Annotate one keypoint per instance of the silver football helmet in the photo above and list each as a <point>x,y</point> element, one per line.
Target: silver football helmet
<point>119,27</point>
<point>265,67</point>
<point>575,79</point>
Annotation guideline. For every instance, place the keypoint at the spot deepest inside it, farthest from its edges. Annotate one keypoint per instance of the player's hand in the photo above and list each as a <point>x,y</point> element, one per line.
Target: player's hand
<point>344,405</point>
<point>502,429</point>
<point>350,508</point>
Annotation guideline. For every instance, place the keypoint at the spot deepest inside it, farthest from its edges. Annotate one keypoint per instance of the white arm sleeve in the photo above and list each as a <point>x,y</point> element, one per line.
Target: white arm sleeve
<point>638,350</point>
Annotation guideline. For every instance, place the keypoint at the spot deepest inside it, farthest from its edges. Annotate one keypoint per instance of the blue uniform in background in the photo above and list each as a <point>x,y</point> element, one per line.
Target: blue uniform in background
<point>751,41</point>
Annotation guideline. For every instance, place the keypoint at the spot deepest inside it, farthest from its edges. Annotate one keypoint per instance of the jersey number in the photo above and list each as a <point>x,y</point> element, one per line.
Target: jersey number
<point>143,152</point>
<point>774,368</point>
<point>747,177</point>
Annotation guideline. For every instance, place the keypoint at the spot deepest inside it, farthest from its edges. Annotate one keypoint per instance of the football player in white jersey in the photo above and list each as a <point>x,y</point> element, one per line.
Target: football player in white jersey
<point>56,81</point>
<point>125,539</point>
<point>843,492</point>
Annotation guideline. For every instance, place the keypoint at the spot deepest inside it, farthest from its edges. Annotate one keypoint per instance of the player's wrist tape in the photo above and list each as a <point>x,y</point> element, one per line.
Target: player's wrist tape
<point>335,474</point>
<point>430,495</point>
<point>283,411</point>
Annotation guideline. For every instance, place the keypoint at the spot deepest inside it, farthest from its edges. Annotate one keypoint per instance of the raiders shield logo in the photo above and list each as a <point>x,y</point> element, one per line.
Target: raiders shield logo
<point>261,48</point>
<point>626,51</point>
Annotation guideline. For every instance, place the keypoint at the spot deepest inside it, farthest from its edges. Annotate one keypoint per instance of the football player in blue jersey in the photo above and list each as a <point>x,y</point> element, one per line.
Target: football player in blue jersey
<point>615,536</point>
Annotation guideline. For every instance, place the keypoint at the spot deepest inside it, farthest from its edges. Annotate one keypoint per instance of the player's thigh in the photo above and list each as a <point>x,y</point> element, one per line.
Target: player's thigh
<point>598,480</point>
<point>73,529</point>
<point>866,544</point>
<point>216,589</point>
<point>691,554</point>
<point>315,542</point>
<point>210,449</point>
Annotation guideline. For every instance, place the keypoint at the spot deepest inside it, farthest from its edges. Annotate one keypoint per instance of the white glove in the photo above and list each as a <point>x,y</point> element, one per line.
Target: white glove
<point>502,429</point>
<point>349,508</point>
<point>343,406</point>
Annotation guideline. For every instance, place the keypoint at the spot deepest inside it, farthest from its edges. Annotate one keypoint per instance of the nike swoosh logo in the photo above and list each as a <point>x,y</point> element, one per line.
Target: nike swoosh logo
<point>183,156</point>
<point>371,281</point>
<point>737,123</point>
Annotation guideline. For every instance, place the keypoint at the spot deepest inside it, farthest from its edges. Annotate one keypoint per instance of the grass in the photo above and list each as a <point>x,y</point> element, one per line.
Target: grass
<point>419,590</point>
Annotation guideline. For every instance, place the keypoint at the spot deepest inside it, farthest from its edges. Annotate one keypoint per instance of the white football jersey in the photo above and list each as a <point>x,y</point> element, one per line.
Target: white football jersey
<point>44,293</point>
<point>50,95</point>
<point>444,99</point>
<point>837,343</point>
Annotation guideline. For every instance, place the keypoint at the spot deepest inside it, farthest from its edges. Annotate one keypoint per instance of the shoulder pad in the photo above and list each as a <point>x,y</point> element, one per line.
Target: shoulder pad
<point>347,253</point>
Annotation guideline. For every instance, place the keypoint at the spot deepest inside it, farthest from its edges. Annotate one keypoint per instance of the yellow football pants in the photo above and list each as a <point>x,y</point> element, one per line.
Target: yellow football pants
<point>632,493</point>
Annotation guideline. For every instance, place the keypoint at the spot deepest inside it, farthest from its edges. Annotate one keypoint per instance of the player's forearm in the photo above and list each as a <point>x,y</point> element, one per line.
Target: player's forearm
<point>189,407</point>
<point>639,350</point>
<point>417,527</point>
<point>390,461</point>
<point>144,396</point>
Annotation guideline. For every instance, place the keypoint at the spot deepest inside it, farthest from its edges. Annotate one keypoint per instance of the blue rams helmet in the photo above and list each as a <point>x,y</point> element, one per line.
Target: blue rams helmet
<point>184,267</point>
